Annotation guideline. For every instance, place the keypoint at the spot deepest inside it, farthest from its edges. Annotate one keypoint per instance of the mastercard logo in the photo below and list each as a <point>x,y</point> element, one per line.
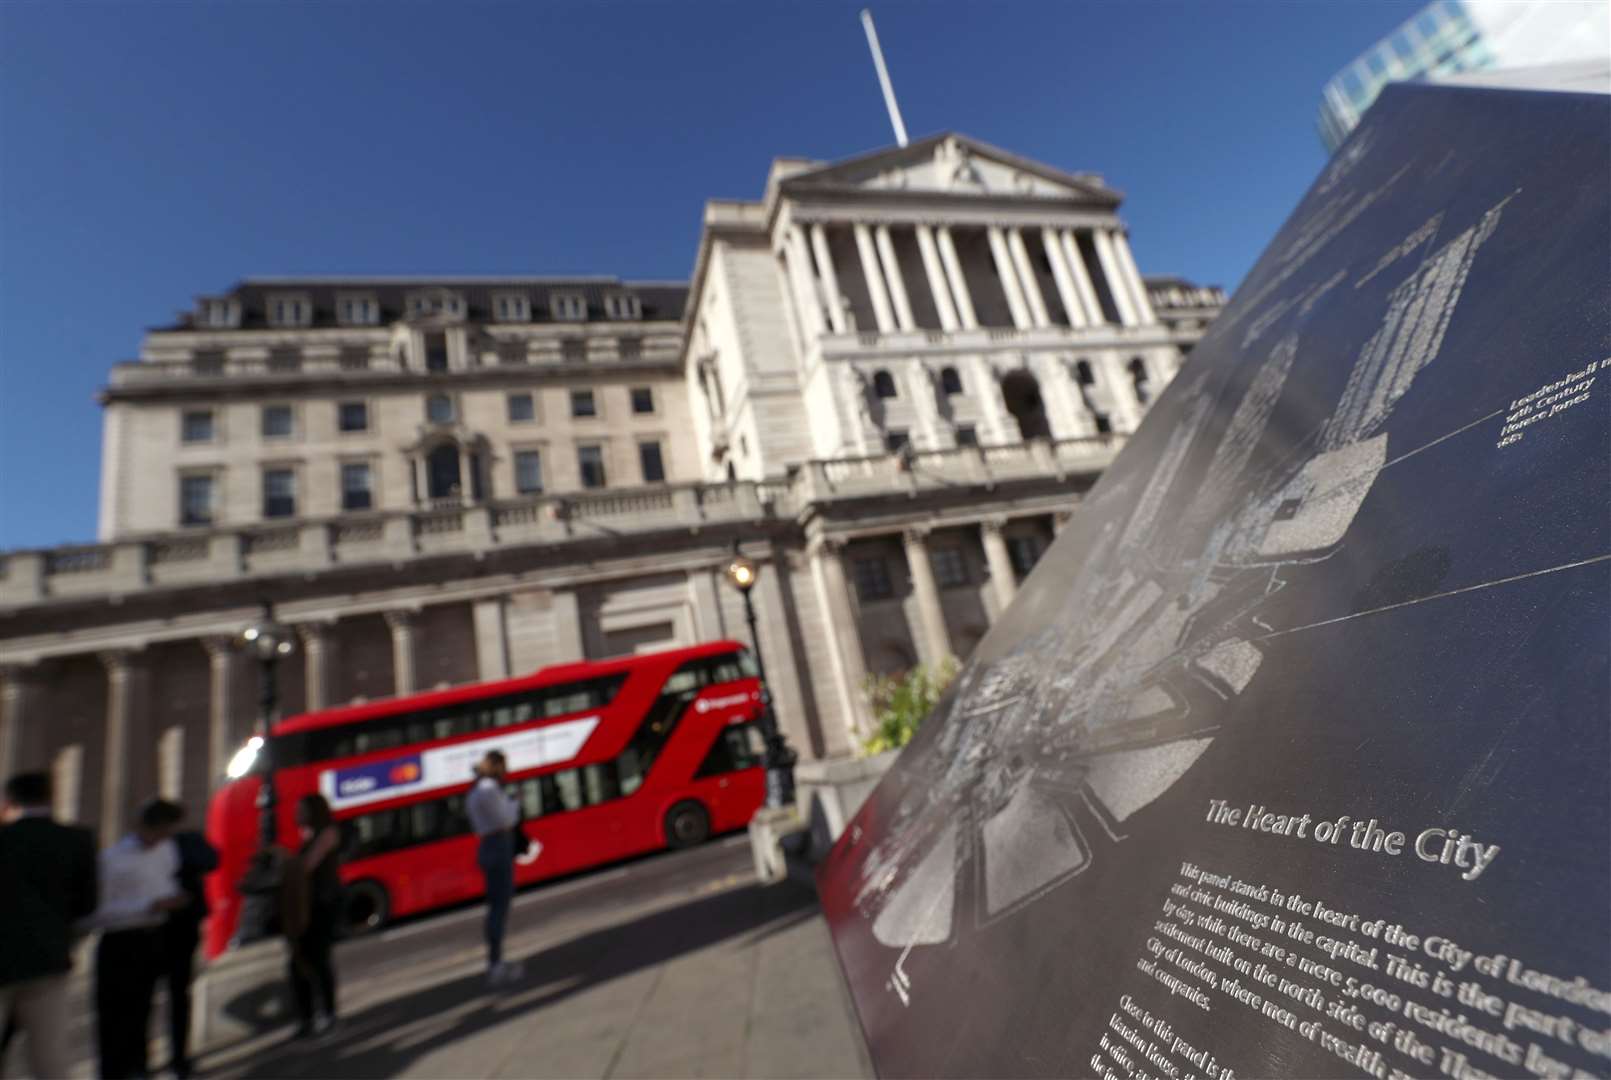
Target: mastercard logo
<point>405,773</point>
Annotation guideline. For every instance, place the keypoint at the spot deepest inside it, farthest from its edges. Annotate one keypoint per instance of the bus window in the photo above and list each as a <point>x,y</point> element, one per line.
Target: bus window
<point>738,747</point>
<point>629,770</point>
<point>599,782</point>
<point>569,785</point>
<point>425,820</point>
<point>376,832</point>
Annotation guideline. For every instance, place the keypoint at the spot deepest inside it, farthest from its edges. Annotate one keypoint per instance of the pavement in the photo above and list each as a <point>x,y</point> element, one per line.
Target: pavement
<point>672,965</point>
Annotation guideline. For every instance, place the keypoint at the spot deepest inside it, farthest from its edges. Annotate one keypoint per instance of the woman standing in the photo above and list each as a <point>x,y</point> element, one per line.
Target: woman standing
<point>493,815</point>
<point>312,969</point>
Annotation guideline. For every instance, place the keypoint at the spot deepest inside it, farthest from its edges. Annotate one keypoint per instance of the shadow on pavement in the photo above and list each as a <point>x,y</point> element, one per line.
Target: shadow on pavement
<point>384,1039</point>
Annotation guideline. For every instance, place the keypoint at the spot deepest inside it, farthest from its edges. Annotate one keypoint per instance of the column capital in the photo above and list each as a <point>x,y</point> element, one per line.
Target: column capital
<point>915,535</point>
<point>831,545</point>
<point>119,660</point>
<point>315,633</point>
<point>996,523</point>
<point>401,619</point>
<point>219,646</point>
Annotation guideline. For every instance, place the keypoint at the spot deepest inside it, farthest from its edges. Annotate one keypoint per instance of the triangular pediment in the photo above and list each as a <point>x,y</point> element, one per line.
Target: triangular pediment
<point>952,164</point>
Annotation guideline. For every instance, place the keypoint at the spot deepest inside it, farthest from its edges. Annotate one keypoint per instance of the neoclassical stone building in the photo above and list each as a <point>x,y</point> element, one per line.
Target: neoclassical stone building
<point>890,379</point>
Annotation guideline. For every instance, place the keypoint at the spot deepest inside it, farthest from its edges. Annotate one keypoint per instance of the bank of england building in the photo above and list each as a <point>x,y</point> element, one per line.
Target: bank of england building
<point>890,378</point>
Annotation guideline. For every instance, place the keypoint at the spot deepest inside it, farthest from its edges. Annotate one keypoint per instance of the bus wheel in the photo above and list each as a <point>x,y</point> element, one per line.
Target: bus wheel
<point>364,907</point>
<point>687,824</point>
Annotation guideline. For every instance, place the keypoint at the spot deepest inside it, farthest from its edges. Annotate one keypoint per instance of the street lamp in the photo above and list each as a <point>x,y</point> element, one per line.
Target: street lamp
<point>780,757</point>
<point>268,641</point>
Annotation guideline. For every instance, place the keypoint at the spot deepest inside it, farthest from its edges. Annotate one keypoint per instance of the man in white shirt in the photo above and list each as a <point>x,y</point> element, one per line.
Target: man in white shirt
<point>139,887</point>
<point>492,815</point>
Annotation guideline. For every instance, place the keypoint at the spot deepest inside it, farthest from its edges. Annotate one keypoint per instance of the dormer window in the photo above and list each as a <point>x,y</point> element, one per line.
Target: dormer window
<point>288,310</point>
<point>567,307</point>
<point>435,302</point>
<point>511,307</point>
<point>358,310</point>
<point>221,314</point>
<point>622,306</point>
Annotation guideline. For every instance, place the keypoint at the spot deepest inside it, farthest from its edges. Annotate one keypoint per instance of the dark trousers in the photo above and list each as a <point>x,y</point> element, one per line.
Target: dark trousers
<point>126,966</point>
<point>312,968</point>
<point>496,857</point>
<point>179,939</point>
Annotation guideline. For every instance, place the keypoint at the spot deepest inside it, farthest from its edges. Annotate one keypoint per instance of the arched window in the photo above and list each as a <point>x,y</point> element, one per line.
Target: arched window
<point>1138,378</point>
<point>439,409</point>
<point>950,381</point>
<point>1083,373</point>
<point>883,383</point>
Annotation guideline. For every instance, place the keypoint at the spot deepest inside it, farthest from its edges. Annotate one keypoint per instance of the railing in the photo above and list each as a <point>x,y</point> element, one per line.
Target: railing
<point>987,338</point>
<point>222,555</point>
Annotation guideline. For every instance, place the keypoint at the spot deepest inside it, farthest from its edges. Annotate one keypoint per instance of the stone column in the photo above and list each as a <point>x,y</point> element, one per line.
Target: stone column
<point>935,273</point>
<point>18,684</point>
<point>1138,288</point>
<point>1111,273</point>
<point>959,283</point>
<point>567,627</point>
<point>920,388</point>
<point>316,648</point>
<point>805,291</point>
<point>120,705</point>
<point>892,274</point>
<point>491,639</point>
<point>830,278</point>
<point>935,638</point>
<point>401,622</point>
<point>875,279</point>
<point>1009,278</point>
<point>1082,279</point>
<point>1002,578</point>
<point>782,671</point>
<point>704,590</point>
<point>1026,273</point>
<point>223,736</point>
<point>1064,277</point>
<point>848,660</point>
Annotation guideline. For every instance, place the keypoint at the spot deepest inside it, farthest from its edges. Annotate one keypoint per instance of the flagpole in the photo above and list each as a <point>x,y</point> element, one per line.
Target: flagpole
<point>883,77</point>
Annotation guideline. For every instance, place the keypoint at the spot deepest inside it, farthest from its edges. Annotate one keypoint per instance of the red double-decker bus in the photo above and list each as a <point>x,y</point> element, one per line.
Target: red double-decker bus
<point>608,760</point>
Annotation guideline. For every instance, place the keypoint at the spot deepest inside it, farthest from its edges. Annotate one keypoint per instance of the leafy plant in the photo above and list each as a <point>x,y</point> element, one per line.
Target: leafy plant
<point>900,703</point>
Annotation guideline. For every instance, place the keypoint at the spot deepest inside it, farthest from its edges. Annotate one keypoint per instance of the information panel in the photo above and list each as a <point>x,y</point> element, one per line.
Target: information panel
<point>1292,756</point>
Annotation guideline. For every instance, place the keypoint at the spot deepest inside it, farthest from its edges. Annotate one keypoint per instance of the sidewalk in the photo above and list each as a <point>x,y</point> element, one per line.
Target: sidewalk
<point>726,979</point>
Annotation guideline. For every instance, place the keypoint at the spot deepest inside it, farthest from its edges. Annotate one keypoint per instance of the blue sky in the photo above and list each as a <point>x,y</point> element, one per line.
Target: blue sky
<point>151,152</point>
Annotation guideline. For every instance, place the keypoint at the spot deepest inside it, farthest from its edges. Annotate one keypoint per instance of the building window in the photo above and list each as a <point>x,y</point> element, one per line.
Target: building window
<point>567,307</point>
<point>289,311</point>
<point>435,303</point>
<point>208,362</point>
<point>278,422</point>
<point>528,472</point>
<point>436,352</point>
<point>358,310</point>
<point>352,416</point>
<point>872,580</point>
<point>279,493</point>
<point>883,384</point>
<point>950,569</point>
<point>591,460</point>
<point>196,500</point>
<point>521,409</point>
<point>642,400</point>
<point>511,307</point>
<point>582,404</point>
<point>654,468</point>
<point>1024,552</point>
<point>357,486</point>
<point>356,359</point>
<point>896,440</point>
<point>573,351</point>
<point>967,435</point>
<point>622,306</point>
<point>220,314</point>
<point>284,361</point>
<point>1139,380</point>
<point>950,381</point>
<point>196,426</point>
<point>1083,373</point>
<point>1104,426</point>
<point>630,348</point>
<point>439,409</point>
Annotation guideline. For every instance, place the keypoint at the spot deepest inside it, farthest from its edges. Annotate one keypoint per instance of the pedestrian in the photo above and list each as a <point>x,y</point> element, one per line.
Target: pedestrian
<point>493,815</point>
<point>47,883</point>
<point>180,936</point>
<point>139,888</point>
<point>312,916</point>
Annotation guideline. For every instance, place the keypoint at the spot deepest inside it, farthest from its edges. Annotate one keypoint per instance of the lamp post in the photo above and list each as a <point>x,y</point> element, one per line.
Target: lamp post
<point>268,641</point>
<point>780,757</point>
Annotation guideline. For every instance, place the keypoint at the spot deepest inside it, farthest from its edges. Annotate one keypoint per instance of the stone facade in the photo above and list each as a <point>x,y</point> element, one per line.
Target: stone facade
<point>895,437</point>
